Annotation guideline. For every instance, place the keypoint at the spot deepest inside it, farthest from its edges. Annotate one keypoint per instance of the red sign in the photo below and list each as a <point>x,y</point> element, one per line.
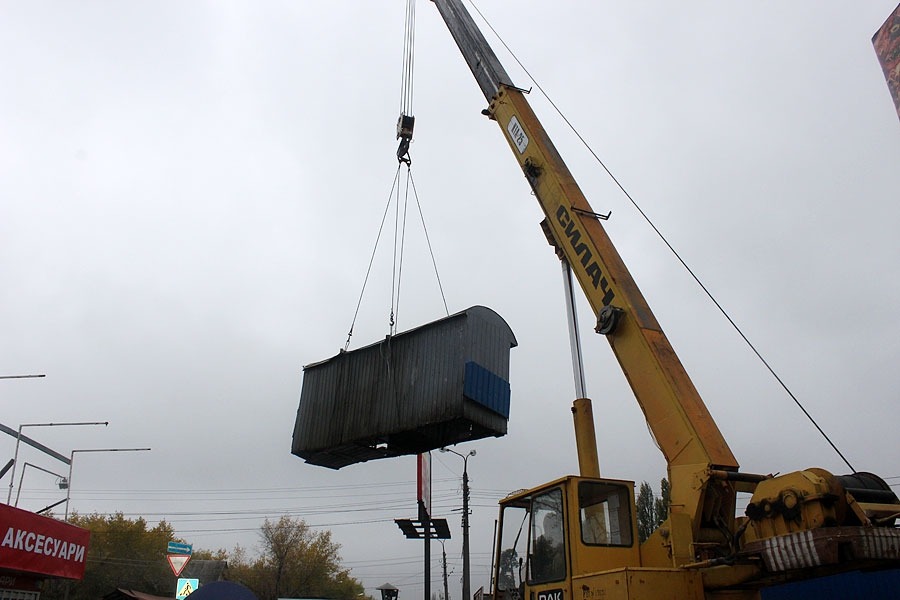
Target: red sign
<point>423,480</point>
<point>32,543</point>
<point>178,562</point>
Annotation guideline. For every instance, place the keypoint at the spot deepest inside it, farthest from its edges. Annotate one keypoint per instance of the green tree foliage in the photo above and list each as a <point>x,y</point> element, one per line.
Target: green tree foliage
<point>509,570</point>
<point>651,511</point>
<point>201,554</point>
<point>123,553</point>
<point>296,562</point>
<point>646,511</point>
<point>662,503</point>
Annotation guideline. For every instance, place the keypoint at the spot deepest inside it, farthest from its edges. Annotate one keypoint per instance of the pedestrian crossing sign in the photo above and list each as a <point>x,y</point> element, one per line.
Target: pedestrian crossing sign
<point>185,587</point>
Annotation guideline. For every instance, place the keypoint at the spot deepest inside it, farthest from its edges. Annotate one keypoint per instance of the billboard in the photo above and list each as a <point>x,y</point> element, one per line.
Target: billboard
<point>887,46</point>
<point>31,543</point>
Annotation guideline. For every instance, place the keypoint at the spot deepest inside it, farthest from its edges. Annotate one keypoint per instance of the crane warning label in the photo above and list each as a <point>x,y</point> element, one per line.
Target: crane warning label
<point>517,134</point>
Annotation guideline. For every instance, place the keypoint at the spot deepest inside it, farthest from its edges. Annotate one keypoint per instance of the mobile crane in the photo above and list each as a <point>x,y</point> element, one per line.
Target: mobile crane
<point>576,537</point>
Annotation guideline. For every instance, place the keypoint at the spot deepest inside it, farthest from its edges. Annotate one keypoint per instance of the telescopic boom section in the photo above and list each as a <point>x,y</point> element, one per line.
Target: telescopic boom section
<point>681,423</point>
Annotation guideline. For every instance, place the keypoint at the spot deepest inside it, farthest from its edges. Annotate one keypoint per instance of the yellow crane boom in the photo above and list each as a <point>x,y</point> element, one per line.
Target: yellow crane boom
<point>582,530</point>
<point>686,433</point>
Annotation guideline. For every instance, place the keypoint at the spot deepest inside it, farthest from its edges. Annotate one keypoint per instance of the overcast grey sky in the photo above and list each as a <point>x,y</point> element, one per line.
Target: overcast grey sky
<point>190,193</point>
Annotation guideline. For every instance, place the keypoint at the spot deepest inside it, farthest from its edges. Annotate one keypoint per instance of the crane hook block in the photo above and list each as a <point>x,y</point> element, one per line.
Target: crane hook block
<point>404,133</point>
<point>405,126</point>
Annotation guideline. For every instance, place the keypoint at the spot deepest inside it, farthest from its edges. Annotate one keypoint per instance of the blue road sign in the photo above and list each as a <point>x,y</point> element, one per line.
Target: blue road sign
<point>186,587</point>
<point>176,548</point>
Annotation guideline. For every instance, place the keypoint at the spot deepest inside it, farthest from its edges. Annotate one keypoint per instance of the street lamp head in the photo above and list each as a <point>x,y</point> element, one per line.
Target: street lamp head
<point>63,483</point>
<point>42,448</point>
<point>450,450</point>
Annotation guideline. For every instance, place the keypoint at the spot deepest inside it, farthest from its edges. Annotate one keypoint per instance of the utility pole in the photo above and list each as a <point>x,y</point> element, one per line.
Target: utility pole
<point>426,522</point>
<point>446,589</point>
<point>466,582</point>
<point>467,591</point>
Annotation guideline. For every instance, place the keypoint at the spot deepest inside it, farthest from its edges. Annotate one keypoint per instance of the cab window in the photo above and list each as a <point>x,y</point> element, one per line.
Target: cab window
<point>605,513</point>
<point>548,554</point>
<point>513,549</point>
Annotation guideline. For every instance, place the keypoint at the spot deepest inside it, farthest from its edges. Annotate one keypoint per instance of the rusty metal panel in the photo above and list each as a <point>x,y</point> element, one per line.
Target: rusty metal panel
<point>887,46</point>
<point>439,384</point>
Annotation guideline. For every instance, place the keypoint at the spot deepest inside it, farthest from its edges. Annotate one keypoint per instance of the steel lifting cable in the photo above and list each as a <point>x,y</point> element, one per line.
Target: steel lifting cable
<point>428,242</point>
<point>372,258</point>
<point>409,39</point>
<point>397,269</point>
<point>407,121</point>
<point>405,126</point>
<point>398,260</point>
<point>404,134</point>
<point>671,248</point>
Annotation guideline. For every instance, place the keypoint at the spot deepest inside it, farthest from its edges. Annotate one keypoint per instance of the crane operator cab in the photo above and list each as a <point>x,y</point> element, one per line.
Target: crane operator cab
<point>554,533</point>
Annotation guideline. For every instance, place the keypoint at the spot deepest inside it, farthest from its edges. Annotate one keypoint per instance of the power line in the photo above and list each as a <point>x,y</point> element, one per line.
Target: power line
<point>671,248</point>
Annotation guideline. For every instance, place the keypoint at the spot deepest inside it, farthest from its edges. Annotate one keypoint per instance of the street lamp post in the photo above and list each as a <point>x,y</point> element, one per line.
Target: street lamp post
<point>72,460</point>
<point>466,584</point>
<point>12,476</point>
<point>62,481</point>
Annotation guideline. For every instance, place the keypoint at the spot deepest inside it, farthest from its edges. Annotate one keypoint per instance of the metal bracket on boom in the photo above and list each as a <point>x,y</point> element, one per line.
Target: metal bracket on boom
<point>587,213</point>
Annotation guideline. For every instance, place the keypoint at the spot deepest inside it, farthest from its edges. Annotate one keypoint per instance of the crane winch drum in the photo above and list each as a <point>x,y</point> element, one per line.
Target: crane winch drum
<point>439,384</point>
